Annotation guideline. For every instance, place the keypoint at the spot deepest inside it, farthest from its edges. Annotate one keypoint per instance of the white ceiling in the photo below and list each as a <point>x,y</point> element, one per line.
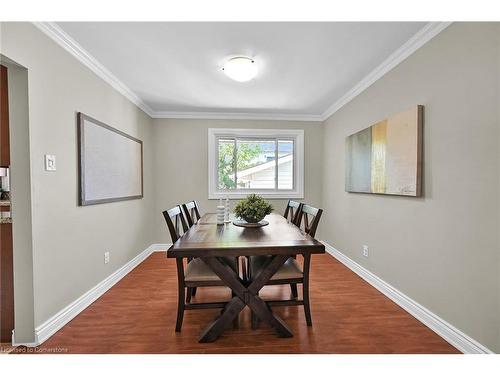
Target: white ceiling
<point>304,68</point>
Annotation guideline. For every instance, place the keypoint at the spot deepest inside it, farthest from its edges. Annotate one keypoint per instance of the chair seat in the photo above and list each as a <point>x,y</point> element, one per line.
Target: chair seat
<point>198,270</point>
<point>289,270</point>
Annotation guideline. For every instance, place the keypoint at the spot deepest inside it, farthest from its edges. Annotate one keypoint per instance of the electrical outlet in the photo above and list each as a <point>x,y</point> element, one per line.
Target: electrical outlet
<point>366,252</point>
<point>106,257</point>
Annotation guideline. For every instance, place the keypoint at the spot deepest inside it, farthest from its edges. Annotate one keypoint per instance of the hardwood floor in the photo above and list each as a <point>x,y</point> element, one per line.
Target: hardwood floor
<point>349,316</point>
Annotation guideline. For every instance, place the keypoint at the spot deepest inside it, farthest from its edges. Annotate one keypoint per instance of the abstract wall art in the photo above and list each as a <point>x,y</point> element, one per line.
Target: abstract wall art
<point>386,158</point>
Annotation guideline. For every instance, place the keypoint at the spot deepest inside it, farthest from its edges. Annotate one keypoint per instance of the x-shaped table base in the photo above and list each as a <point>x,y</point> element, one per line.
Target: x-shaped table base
<point>245,296</point>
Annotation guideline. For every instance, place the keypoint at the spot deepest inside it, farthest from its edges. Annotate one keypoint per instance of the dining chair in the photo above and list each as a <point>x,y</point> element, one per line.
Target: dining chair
<point>291,271</point>
<point>292,211</point>
<point>192,212</point>
<point>195,274</point>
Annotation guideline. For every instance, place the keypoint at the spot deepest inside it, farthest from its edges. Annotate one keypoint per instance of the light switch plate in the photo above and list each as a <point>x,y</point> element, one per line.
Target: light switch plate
<point>50,162</point>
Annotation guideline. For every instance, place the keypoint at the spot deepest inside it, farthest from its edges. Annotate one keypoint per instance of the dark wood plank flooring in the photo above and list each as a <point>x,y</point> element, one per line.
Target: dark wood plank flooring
<point>349,316</point>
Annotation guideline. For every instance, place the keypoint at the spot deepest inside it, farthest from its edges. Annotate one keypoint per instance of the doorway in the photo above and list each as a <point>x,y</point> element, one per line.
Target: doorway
<point>6,248</point>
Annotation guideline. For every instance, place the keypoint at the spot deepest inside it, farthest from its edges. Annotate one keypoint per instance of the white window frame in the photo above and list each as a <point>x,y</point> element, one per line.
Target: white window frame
<point>297,135</point>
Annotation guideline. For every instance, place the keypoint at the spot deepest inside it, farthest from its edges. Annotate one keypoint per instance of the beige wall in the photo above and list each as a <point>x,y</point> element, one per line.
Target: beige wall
<point>442,250</point>
<point>181,166</point>
<point>69,241</point>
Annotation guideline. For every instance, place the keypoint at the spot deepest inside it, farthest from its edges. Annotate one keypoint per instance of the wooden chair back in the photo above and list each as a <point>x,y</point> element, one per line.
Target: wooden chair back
<point>292,211</point>
<point>310,216</point>
<point>175,222</point>
<point>192,212</point>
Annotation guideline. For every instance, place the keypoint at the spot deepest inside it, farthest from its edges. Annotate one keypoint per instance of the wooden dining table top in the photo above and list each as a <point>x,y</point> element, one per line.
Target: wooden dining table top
<point>208,239</point>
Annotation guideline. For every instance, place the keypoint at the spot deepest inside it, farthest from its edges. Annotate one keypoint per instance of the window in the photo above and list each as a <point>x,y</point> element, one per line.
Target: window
<point>266,162</point>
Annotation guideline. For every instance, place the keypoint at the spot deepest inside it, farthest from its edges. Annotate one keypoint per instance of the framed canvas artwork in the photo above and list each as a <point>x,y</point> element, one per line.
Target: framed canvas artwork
<point>386,158</point>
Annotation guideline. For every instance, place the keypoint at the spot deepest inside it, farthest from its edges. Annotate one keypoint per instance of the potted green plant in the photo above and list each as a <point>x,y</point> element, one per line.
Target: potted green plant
<point>253,209</point>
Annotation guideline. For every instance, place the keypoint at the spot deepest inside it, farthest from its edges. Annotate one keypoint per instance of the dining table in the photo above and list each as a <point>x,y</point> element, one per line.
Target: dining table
<point>209,241</point>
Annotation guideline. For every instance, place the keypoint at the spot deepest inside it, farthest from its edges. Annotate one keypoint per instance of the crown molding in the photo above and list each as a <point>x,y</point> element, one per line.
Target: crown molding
<point>237,116</point>
<point>69,44</point>
<point>425,34</point>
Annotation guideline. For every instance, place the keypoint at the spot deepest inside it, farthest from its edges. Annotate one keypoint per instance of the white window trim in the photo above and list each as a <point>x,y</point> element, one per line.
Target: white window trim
<point>296,134</point>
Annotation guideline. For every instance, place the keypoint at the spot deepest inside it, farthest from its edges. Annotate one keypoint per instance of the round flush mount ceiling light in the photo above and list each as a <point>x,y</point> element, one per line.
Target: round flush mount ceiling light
<point>241,69</point>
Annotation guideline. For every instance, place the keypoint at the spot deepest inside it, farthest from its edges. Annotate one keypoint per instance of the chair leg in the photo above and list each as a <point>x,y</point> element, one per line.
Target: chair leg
<point>244,269</point>
<point>180,309</point>
<point>193,292</point>
<point>189,294</point>
<point>307,307</point>
<point>305,290</point>
<point>255,321</point>
<point>248,269</point>
<point>293,288</point>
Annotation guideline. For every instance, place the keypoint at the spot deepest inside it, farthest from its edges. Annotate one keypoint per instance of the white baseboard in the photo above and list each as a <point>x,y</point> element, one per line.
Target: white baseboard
<point>160,246</point>
<point>59,320</point>
<point>444,329</point>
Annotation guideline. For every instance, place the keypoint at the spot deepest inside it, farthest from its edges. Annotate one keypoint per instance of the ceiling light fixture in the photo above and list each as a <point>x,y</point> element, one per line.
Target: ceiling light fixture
<point>241,69</point>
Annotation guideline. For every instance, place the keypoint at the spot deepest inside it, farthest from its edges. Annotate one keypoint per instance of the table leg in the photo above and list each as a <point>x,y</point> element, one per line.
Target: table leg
<point>215,329</point>
<point>245,296</point>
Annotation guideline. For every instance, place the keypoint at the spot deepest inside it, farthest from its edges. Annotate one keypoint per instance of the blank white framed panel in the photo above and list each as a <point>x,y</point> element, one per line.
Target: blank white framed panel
<point>110,163</point>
